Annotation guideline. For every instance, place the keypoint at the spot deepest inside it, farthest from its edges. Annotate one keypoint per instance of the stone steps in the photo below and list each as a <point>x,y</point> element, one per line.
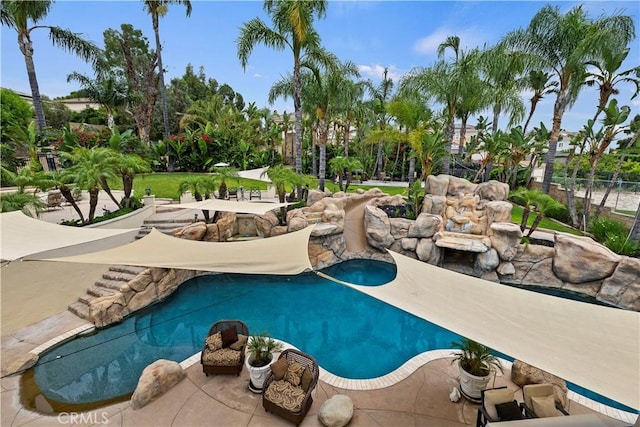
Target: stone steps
<point>110,283</point>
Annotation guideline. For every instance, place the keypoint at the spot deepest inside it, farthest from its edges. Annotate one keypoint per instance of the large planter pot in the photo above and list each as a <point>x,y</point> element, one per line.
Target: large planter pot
<point>471,386</point>
<point>257,374</point>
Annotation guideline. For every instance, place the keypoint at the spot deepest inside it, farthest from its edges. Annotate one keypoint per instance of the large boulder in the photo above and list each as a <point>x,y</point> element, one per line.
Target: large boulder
<point>265,223</point>
<point>426,225</point>
<point>596,262</point>
<point>155,380</point>
<point>437,185</point>
<point>195,231</point>
<point>315,195</point>
<point>497,211</point>
<point>505,238</point>
<point>493,190</point>
<point>427,251</point>
<point>486,261</point>
<point>460,186</point>
<point>336,411</point>
<point>622,289</point>
<point>434,204</point>
<point>400,227</point>
<point>378,227</point>
<point>523,374</point>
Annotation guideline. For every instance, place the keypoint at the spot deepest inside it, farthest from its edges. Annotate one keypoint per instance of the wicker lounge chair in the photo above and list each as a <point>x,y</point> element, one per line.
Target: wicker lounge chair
<point>289,395</point>
<point>497,405</point>
<point>539,401</point>
<point>221,353</point>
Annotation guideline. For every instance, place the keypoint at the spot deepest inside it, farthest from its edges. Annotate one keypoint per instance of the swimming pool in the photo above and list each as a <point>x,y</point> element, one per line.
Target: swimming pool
<point>351,334</point>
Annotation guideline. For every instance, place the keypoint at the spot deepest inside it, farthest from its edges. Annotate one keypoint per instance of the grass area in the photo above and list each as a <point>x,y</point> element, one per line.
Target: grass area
<point>165,185</point>
<point>546,223</point>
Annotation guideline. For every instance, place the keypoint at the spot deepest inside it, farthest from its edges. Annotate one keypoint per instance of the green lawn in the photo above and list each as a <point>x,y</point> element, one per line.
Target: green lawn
<point>165,185</point>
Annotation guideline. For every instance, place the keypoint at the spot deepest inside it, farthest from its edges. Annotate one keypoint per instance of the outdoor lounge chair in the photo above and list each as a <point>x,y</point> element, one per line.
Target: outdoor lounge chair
<point>497,405</point>
<point>255,193</point>
<point>223,351</point>
<point>54,199</point>
<point>539,401</point>
<point>288,387</point>
<point>232,193</point>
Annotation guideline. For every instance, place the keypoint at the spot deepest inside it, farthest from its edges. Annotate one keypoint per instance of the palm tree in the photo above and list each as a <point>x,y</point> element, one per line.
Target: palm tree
<point>90,167</point>
<point>539,82</point>
<point>343,168</point>
<point>562,44</point>
<point>283,179</point>
<point>427,141</point>
<point>16,14</point>
<point>158,9</point>
<point>292,29</point>
<point>224,174</point>
<point>62,180</point>
<point>381,95</point>
<point>28,203</point>
<point>127,166</point>
<point>200,187</point>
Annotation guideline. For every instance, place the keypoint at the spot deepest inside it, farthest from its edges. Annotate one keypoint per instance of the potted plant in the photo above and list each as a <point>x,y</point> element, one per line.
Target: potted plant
<point>260,349</point>
<point>476,362</point>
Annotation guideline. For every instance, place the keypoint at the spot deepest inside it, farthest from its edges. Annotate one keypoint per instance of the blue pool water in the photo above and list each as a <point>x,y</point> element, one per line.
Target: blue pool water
<point>351,334</point>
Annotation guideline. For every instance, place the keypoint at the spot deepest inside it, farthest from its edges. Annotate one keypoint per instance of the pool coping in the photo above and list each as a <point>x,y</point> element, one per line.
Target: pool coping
<point>394,377</point>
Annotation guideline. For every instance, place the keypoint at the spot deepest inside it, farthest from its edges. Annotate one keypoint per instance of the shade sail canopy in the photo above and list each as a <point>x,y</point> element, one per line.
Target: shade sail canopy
<point>285,254</point>
<point>258,208</point>
<point>22,235</point>
<point>593,346</point>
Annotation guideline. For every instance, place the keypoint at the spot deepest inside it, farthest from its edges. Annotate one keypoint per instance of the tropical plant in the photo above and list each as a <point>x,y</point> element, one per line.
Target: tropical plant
<point>261,348</point>
<point>427,142</point>
<point>415,197</point>
<point>17,14</point>
<point>90,169</point>
<point>533,201</point>
<point>15,112</point>
<point>28,203</point>
<point>200,187</point>
<point>128,165</point>
<point>475,358</point>
<point>292,29</point>
<point>222,175</point>
<point>106,91</point>
<point>343,168</point>
<point>283,179</point>
<point>563,44</point>
<point>540,83</point>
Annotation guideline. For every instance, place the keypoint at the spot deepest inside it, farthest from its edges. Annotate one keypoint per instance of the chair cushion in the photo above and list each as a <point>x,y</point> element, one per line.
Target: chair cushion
<point>306,379</point>
<point>221,357</point>
<point>285,395</point>
<point>294,373</point>
<point>509,411</point>
<point>214,342</point>
<point>242,341</point>
<point>279,368</point>
<point>544,406</point>
<point>496,397</point>
<point>229,336</point>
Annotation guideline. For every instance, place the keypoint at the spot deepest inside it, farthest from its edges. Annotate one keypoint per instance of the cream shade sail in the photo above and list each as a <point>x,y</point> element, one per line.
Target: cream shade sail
<point>593,346</point>
<point>285,254</point>
<point>22,235</point>
<point>258,208</point>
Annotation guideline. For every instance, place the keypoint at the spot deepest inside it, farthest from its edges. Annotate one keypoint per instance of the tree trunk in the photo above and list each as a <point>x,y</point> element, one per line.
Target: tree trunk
<point>297,91</point>
<point>463,135</point>
<point>446,159</point>
<point>107,189</point>
<point>412,170</point>
<point>379,161</point>
<point>66,192</point>
<point>26,47</point>
<point>558,112</point>
<point>347,136</point>
<point>496,116</point>
<point>534,103</point>
<point>322,140</point>
<point>93,202</point>
<point>635,229</point>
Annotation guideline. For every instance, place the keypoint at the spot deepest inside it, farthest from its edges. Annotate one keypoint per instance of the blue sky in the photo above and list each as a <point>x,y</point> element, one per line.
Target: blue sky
<point>374,35</point>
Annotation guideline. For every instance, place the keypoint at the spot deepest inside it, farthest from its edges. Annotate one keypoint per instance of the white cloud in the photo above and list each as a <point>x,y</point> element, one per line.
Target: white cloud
<point>375,72</point>
<point>258,75</point>
<point>470,38</point>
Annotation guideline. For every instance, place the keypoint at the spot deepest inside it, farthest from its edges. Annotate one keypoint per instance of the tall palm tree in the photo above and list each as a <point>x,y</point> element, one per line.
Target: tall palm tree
<point>17,14</point>
<point>292,29</point>
<point>562,44</point>
<point>158,9</point>
<point>540,83</point>
<point>381,95</point>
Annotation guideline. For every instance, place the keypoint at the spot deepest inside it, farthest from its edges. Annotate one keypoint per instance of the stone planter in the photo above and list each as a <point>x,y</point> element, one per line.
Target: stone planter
<point>471,386</point>
<point>258,374</point>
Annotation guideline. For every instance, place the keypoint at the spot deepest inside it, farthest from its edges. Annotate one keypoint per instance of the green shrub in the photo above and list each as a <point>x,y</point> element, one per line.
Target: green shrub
<point>614,235</point>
